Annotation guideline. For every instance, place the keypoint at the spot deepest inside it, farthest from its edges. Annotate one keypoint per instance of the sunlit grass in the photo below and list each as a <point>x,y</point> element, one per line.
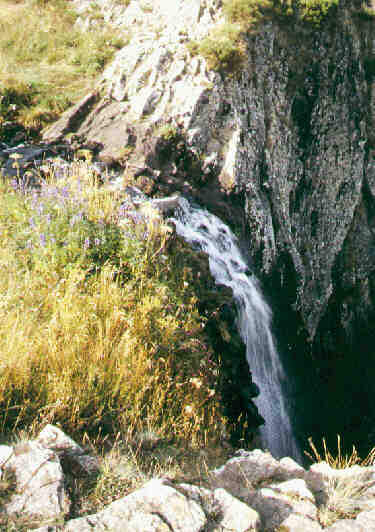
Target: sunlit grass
<point>46,64</point>
<point>99,324</point>
<point>345,496</point>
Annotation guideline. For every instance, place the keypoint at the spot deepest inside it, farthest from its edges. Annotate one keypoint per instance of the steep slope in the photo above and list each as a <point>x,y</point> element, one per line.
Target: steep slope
<point>283,149</point>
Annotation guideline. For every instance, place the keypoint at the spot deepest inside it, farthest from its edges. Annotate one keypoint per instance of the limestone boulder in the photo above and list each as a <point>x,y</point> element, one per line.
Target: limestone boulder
<point>39,491</point>
<point>299,523</point>
<point>246,471</point>
<point>348,525</point>
<point>225,512</point>
<point>275,507</point>
<point>157,507</point>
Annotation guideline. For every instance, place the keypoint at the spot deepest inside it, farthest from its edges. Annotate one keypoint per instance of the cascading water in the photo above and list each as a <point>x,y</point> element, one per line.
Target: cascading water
<point>211,235</point>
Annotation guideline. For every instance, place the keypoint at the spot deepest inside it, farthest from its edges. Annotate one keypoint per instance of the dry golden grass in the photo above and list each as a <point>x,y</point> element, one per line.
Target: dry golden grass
<point>346,498</point>
<point>339,460</point>
<point>103,339</point>
<point>106,340</point>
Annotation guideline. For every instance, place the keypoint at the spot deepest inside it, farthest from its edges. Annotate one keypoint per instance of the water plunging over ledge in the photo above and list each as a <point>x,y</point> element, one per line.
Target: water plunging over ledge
<point>208,233</point>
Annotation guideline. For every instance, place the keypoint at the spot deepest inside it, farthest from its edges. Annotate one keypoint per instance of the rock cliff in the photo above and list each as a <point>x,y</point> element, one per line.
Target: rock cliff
<point>283,149</point>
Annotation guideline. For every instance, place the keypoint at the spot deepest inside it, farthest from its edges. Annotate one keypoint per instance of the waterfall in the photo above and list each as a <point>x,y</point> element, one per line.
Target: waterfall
<point>209,234</point>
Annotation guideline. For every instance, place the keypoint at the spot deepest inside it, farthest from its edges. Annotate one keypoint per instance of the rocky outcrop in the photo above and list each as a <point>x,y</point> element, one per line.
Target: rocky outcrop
<point>252,492</point>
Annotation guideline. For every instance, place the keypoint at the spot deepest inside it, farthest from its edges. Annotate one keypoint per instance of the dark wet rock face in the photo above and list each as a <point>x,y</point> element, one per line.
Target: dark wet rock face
<point>306,167</point>
<point>303,163</point>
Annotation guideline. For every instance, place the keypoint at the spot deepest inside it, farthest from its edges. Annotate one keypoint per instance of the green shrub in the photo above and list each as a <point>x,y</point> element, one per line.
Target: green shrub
<point>314,11</point>
<point>223,49</point>
<point>247,13</point>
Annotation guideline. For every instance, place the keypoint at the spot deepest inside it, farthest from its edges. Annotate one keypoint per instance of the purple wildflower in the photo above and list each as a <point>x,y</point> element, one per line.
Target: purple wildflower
<point>43,240</point>
<point>97,241</point>
<point>76,218</point>
<point>124,209</point>
<point>86,243</point>
<point>65,192</point>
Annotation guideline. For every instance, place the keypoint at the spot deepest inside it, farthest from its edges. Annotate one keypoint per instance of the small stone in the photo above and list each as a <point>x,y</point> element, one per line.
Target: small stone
<point>299,523</point>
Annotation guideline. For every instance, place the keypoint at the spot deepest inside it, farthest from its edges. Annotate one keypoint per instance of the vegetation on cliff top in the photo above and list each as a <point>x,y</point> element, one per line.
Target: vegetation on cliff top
<point>46,62</point>
<point>106,322</point>
<point>224,48</point>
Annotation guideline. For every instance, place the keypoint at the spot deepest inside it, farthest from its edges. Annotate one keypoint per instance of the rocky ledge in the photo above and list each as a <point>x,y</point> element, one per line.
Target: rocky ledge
<point>251,492</point>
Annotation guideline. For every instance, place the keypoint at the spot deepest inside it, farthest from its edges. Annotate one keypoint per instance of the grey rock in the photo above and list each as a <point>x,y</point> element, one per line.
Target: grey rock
<point>225,512</point>
<point>366,520</point>
<point>295,488</point>
<point>243,473</point>
<point>234,514</point>
<point>274,507</point>
<point>71,454</point>
<point>348,525</point>
<point>173,510</point>
<point>299,523</point>
<point>40,492</point>
<point>166,205</point>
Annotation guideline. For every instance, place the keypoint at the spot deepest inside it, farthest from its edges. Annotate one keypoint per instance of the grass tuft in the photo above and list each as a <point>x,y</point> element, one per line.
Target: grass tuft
<point>346,498</point>
<point>339,460</point>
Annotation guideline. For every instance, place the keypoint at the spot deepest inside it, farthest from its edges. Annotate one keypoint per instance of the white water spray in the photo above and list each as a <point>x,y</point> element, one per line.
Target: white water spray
<point>208,233</point>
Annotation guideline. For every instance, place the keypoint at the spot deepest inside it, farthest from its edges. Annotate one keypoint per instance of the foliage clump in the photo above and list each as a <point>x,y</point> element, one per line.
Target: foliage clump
<point>100,327</point>
<point>224,48</point>
<point>346,496</point>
